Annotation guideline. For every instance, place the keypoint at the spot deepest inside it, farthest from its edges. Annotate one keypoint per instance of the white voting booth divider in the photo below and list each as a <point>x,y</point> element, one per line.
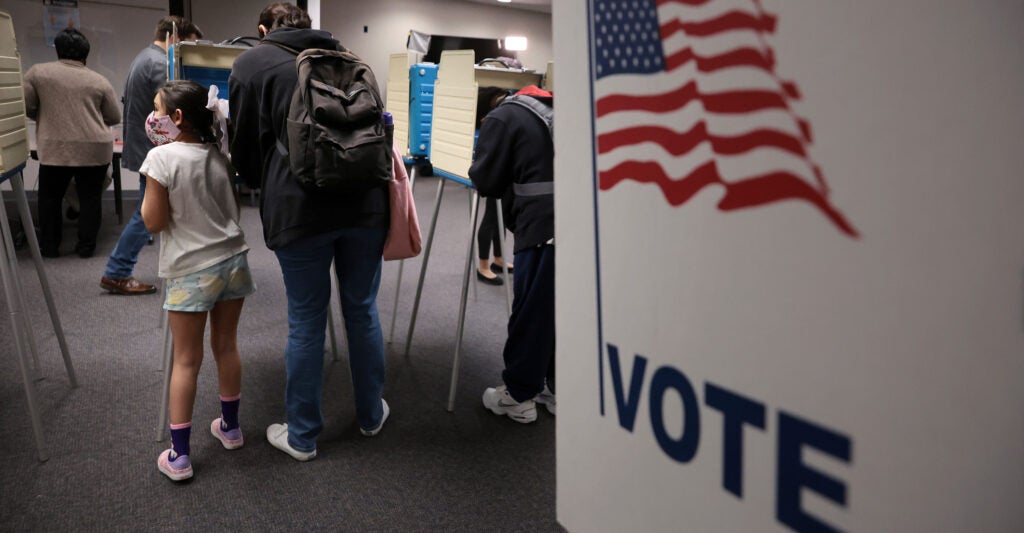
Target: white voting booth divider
<point>798,304</point>
<point>397,98</point>
<point>13,154</point>
<point>451,153</point>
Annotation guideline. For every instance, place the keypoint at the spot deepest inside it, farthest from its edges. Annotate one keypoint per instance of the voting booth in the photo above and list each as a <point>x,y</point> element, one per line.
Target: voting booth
<point>14,151</point>
<point>203,63</point>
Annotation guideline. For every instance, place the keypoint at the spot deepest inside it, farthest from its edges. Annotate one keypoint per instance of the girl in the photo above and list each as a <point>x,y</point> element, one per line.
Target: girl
<point>189,197</point>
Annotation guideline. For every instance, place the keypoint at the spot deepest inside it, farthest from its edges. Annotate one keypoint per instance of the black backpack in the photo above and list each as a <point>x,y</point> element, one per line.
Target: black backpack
<point>337,139</point>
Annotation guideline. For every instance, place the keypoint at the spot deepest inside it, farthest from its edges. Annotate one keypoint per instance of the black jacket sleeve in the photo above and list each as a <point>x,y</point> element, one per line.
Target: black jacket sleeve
<point>244,110</point>
<point>491,169</point>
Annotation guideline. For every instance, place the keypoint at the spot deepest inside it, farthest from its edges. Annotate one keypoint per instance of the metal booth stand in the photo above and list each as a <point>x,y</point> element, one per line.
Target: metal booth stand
<point>14,151</point>
<point>453,106</point>
<point>24,340</point>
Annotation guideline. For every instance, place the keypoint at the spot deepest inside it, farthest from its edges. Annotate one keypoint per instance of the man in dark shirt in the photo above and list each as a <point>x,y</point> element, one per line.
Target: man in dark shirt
<point>514,160</point>
<point>147,74</point>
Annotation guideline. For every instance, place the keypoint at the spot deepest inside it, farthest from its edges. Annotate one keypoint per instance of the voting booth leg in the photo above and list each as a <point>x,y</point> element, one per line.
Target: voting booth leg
<point>18,185</point>
<point>10,282</point>
<point>394,308</point>
<point>330,314</point>
<point>11,259</point>
<point>115,172</point>
<point>504,259</point>
<point>168,363</point>
<point>423,267</point>
<point>472,225</point>
<point>474,211</point>
<point>401,266</point>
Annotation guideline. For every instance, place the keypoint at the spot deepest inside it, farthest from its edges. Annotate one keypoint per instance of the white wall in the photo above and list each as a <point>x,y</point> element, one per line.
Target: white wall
<point>224,20</point>
<point>389,21</point>
<point>907,343</point>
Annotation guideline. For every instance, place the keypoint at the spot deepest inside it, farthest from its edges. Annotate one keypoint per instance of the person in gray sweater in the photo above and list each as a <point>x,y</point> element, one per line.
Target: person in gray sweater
<point>74,108</point>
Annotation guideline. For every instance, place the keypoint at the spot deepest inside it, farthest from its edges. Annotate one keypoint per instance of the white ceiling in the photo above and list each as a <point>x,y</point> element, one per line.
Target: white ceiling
<point>530,5</point>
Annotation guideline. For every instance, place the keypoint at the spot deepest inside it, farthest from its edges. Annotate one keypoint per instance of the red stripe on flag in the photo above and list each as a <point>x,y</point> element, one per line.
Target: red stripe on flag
<point>677,143</point>
<point>733,20</point>
<point>742,194</point>
<point>742,57</point>
<point>724,102</point>
<point>778,186</point>
<point>677,192</point>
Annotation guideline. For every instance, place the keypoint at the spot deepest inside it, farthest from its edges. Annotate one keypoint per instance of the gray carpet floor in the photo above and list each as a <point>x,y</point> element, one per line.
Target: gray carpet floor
<point>427,470</point>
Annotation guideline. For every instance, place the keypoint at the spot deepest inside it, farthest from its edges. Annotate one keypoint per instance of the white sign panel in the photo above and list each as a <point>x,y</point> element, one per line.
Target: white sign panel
<point>791,265</point>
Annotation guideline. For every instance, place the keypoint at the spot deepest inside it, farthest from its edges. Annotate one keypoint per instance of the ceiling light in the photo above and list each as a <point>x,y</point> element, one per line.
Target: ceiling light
<point>515,43</point>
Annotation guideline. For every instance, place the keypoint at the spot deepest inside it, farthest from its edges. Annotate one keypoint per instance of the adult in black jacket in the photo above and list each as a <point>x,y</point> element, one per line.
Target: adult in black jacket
<point>514,160</point>
<point>308,232</point>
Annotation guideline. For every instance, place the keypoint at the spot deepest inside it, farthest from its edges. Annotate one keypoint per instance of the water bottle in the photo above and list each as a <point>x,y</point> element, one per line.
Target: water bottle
<point>389,128</point>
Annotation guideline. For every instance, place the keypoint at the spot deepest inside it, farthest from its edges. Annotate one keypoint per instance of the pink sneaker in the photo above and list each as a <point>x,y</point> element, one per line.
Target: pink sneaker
<point>231,438</point>
<point>178,469</point>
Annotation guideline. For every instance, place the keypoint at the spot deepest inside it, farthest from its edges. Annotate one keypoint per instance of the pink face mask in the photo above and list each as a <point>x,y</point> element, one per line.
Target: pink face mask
<point>161,129</point>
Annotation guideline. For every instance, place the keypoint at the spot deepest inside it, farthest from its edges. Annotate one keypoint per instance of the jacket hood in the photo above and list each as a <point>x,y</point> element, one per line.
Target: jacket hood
<point>534,91</point>
<point>302,38</point>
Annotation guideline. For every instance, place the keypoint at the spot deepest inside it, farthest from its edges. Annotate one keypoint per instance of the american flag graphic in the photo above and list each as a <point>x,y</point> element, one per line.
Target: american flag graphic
<point>686,97</point>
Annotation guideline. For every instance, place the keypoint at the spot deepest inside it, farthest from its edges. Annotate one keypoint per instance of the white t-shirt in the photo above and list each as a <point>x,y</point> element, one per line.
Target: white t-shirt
<point>203,228</point>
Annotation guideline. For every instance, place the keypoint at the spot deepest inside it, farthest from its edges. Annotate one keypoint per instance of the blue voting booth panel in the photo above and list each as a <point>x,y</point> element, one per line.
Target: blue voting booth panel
<point>205,64</point>
<point>207,76</point>
<point>421,107</point>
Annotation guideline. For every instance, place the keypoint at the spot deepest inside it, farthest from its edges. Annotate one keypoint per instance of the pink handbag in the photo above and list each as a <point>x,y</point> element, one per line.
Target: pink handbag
<point>404,239</point>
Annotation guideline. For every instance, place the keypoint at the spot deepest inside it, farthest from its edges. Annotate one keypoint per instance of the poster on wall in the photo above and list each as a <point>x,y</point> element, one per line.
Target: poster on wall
<point>795,262</point>
<point>58,15</point>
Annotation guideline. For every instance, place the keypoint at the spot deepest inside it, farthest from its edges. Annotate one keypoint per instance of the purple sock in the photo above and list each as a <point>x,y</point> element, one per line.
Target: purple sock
<point>229,411</point>
<point>180,435</point>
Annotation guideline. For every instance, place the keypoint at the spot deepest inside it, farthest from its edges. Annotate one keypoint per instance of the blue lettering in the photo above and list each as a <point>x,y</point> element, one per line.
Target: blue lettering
<point>685,448</point>
<point>736,411</point>
<point>627,406</point>
<point>793,475</point>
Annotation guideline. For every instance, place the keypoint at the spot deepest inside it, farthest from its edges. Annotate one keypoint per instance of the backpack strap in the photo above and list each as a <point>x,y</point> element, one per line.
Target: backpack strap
<point>544,112</point>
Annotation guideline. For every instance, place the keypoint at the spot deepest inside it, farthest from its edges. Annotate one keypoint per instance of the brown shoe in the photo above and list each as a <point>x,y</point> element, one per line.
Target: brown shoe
<point>129,286</point>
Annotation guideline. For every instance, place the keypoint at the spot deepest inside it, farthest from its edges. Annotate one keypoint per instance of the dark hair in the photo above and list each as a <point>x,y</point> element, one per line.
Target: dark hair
<point>281,14</point>
<point>189,28</point>
<point>486,100</point>
<point>168,24</point>
<point>191,99</point>
<point>71,44</point>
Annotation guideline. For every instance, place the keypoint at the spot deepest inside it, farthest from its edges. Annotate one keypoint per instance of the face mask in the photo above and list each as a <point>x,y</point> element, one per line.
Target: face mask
<point>161,130</point>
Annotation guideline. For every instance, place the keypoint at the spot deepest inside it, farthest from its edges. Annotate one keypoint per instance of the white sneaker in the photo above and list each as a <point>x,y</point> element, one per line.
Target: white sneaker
<point>277,436</point>
<point>372,432</point>
<point>500,402</point>
<point>547,398</point>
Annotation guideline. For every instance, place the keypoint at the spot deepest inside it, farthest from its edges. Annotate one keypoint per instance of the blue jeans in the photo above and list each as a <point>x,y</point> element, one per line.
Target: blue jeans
<point>133,237</point>
<point>306,266</point>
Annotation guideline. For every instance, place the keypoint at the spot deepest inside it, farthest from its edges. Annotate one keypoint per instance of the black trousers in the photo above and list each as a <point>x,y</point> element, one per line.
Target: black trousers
<point>488,234</point>
<point>530,349</point>
<point>53,182</point>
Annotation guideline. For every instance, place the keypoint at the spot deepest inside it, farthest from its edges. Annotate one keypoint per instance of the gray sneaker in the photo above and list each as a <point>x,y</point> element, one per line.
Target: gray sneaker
<point>546,398</point>
<point>500,402</point>
<point>277,436</point>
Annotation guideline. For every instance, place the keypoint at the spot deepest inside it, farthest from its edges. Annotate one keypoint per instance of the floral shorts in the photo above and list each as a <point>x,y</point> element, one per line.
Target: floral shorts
<point>228,280</point>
